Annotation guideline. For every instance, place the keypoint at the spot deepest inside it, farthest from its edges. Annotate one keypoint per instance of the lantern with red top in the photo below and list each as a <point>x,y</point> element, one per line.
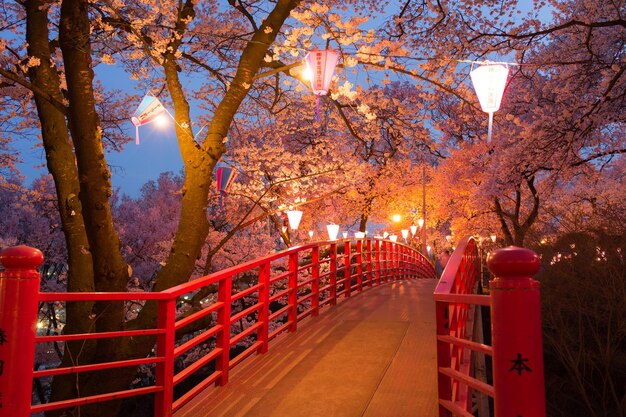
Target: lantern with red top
<point>489,80</point>
<point>225,174</point>
<point>321,68</point>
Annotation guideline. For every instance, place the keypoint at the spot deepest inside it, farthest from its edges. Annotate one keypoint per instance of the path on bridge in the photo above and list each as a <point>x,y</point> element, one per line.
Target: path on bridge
<point>372,355</point>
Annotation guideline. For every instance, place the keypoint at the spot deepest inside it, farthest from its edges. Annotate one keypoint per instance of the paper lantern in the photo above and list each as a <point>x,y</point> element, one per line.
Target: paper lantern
<point>345,235</point>
<point>493,237</point>
<point>359,235</point>
<point>294,217</point>
<point>385,235</point>
<point>489,81</point>
<point>393,238</point>
<point>333,230</point>
<point>413,230</point>
<point>405,233</point>
<point>420,223</point>
<point>224,176</point>
<point>149,110</point>
<point>321,64</point>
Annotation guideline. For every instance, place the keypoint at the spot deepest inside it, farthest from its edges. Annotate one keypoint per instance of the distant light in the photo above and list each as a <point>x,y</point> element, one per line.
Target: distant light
<point>307,74</point>
<point>428,248</point>
<point>493,237</point>
<point>311,234</point>
<point>161,120</point>
<point>405,233</point>
<point>385,235</point>
<point>345,235</point>
<point>420,223</point>
<point>393,238</point>
<point>41,325</point>
<point>413,229</point>
<point>359,235</point>
<point>448,238</point>
<point>396,218</point>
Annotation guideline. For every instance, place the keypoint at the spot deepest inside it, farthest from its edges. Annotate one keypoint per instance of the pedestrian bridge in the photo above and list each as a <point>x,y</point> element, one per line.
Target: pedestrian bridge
<point>372,355</point>
<point>337,328</point>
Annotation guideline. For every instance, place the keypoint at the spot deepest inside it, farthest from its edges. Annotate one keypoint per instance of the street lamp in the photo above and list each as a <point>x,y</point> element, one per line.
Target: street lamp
<point>396,218</point>
<point>489,80</point>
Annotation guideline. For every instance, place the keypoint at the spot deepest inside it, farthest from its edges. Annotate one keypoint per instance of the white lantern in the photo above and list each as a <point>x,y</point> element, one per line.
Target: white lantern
<point>489,81</point>
<point>405,233</point>
<point>359,235</point>
<point>311,234</point>
<point>493,237</point>
<point>321,65</point>
<point>413,230</point>
<point>294,217</point>
<point>393,238</point>
<point>428,248</point>
<point>420,223</point>
<point>333,230</point>
<point>448,238</point>
<point>385,234</point>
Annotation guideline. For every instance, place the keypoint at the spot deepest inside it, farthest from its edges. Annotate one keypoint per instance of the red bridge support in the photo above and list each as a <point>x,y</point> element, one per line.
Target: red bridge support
<point>516,332</point>
<point>19,289</point>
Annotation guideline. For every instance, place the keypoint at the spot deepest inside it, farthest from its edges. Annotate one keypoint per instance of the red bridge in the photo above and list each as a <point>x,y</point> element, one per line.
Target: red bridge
<point>377,335</point>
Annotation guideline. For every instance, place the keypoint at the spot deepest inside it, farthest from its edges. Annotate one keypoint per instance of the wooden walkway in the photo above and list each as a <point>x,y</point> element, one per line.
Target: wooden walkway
<point>372,355</point>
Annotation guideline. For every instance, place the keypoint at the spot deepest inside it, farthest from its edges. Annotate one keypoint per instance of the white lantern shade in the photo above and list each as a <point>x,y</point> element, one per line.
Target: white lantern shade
<point>448,238</point>
<point>493,237</point>
<point>345,235</point>
<point>405,233</point>
<point>311,234</point>
<point>428,248</point>
<point>413,230</point>
<point>489,81</point>
<point>294,217</point>
<point>420,223</point>
<point>393,238</point>
<point>359,235</point>
<point>321,64</point>
<point>385,234</point>
<point>333,230</point>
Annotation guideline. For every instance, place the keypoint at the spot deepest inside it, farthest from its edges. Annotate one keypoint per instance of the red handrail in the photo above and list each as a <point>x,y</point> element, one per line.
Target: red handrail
<point>315,277</point>
<point>518,389</point>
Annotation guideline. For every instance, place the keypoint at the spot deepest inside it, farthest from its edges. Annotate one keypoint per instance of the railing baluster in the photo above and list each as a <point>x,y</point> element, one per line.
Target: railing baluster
<point>347,271</point>
<point>292,314</point>
<point>369,262</point>
<point>378,245</point>
<point>224,294</point>
<point>383,255</point>
<point>315,284</point>
<point>264,312</point>
<point>166,320</point>
<point>333,274</point>
<point>444,382</point>
<point>359,264</point>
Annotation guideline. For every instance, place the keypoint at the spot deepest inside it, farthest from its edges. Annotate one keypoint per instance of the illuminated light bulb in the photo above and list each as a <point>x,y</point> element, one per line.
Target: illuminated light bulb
<point>405,233</point>
<point>333,230</point>
<point>413,230</point>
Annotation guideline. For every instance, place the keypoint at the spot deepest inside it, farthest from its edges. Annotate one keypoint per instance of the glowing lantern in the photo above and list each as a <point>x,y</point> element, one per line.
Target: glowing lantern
<point>149,110</point>
<point>489,81</point>
<point>493,237</point>
<point>420,223</point>
<point>345,235</point>
<point>311,234</point>
<point>396,218</point>
<point>333,230</point>
<point>448,238</point>
<point>393,238</point>
<point>428,248</point>
<point>321,65</point>
<point>385,235</point>
<point>294,217</point>
<point>413,230</point>
<point>359,235</point>
<point>224,176</point>
<point>405,233</point>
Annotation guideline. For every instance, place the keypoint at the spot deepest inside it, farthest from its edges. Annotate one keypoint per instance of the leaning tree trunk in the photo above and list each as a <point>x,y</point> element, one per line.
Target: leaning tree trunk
<point>61,165</point>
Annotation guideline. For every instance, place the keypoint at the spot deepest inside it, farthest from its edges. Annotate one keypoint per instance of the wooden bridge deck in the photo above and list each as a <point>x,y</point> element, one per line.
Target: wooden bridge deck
<point>372,355</point>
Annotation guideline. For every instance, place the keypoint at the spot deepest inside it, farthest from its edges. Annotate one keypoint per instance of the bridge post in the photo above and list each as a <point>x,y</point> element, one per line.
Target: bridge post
<point>333,274</point>
<point>19,295</point>
<point>224,295</point>
<point>516,332</point>
<point>369,262</point>
<point>347,271</point>
<point>292,312</point>
<point>359,264</point>
<point>315,284</point>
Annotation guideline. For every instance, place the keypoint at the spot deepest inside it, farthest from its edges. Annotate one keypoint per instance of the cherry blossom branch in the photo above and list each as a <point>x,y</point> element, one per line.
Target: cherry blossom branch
<point>34,89</point>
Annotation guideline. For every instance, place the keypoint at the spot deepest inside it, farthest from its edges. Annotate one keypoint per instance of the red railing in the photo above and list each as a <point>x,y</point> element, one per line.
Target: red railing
<point>516,350</point>
<point>282,289</point>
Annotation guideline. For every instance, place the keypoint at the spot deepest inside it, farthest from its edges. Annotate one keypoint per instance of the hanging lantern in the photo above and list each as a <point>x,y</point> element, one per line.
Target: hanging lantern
<point>428,248</point>
<point>489,80</point>
<point>345,235</point>
<point>420,223</point>
<point>149,110</point>
<point>393,238</point>
<point>448,238</point>
<point>294,217</point>
<point>493,237</point>
<point>224,176</point>
<point>333,230</point>
<point>311,234</point>
<point>413,230</point>
<point>321,65</point>
<point>405,233</point>
<point>385,235</point>
<point>359,235</point>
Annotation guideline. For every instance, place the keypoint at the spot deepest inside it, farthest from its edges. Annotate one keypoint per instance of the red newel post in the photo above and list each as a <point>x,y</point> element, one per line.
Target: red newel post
<point>19,294</point>
<point>516,329</point>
